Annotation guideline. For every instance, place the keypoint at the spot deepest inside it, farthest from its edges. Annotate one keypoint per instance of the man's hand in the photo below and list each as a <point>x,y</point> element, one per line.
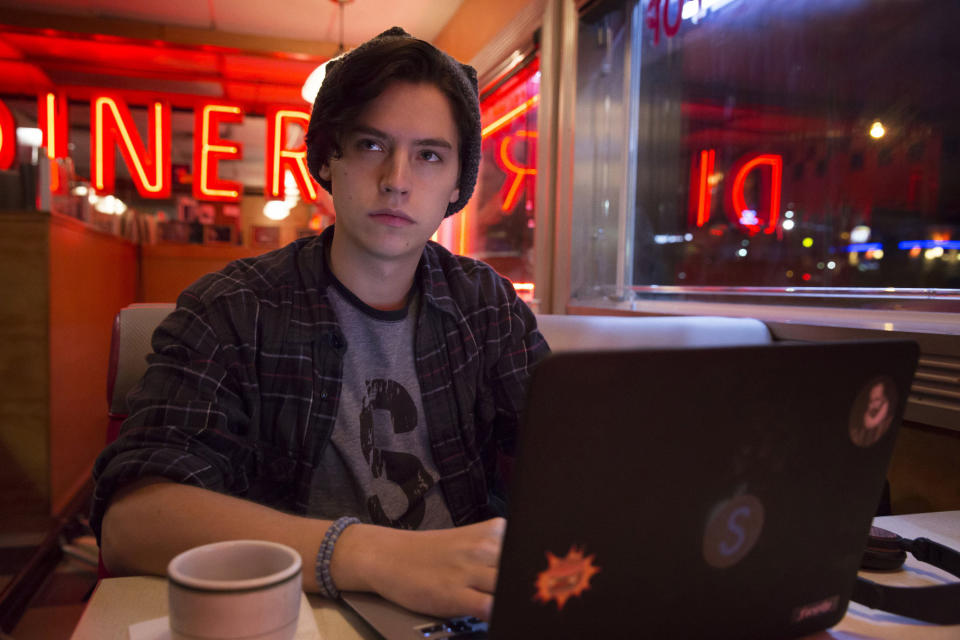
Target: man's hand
<point>446,572</point>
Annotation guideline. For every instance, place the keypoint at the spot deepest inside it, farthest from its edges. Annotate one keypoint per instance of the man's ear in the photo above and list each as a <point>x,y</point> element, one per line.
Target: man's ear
<point>324,171</point>
<point>455,195</point>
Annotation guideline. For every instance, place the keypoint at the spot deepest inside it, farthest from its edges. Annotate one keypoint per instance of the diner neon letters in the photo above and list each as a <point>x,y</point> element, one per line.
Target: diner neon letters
<point>772,188</point>
<point>700,185</point>
<point>8,137</point>
<point>113,123</point>
<point>658,18</point>
<point>519,172</point>
<point>280,159</point>
<point>768,187</point>
<point>209,149</point>
<point>52,120</point>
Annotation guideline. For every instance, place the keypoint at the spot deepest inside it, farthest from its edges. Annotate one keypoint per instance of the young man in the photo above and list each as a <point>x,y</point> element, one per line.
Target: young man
<point>354,395</point>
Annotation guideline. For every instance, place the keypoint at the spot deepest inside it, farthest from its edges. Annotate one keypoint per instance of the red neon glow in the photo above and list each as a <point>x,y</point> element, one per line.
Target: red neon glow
<point>462,250</point>
<point>738,199</point>
<point>281,159</point>
<point>112,123</point>
<point>487,131</point>
<point>8,137</point>
<point>701,178</point>
<point>53,121</point>
<point>519,172</point>
<point>509,117</point>
<point>523,287</point>
<point>56,186</point>
<point>209,149</point>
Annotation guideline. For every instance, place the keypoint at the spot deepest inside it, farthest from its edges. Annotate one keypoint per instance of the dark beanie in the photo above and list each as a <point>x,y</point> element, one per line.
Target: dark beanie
<point>343,81</point>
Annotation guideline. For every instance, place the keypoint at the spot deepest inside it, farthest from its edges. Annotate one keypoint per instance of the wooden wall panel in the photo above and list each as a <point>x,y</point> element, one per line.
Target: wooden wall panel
<point>24,381</point>
<point>167,269</point>
<point>92,276</point>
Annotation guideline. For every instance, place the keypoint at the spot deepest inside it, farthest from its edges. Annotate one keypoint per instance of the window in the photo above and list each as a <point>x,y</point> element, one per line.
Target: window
<point>766,144</point>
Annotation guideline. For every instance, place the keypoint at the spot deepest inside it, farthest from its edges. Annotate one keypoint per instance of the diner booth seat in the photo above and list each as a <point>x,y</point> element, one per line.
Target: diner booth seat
<point>133,328</point>
<point>129,345</point>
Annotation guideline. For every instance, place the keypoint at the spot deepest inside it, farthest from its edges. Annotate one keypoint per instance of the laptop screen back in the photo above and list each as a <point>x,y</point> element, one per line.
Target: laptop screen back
<point>723,492</point>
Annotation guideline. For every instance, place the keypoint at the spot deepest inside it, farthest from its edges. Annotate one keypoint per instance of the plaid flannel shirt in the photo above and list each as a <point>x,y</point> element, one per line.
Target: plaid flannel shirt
<point>240,395</point>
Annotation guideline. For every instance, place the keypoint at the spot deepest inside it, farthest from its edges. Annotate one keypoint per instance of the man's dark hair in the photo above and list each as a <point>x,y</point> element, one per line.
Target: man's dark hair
<point>361,75</point>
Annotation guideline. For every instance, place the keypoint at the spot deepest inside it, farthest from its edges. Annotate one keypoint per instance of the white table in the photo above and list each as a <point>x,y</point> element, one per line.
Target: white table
<point>119,602</point>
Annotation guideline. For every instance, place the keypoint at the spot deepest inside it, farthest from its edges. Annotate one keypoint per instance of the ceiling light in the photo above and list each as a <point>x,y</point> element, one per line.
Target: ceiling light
<point>314,81</point>
<point>877,131</point>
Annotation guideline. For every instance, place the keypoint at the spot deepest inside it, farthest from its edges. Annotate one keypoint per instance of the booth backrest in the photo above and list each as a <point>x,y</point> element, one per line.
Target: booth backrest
<point>133,328</point>
<point>584,333</point>
<point>132,332</point>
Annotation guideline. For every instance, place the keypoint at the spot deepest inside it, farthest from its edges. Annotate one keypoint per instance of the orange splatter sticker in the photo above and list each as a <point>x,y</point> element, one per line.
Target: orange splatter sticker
<point>565,577</point>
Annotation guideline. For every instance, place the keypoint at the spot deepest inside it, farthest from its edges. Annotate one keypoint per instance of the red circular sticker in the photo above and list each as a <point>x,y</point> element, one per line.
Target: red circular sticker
<point>873,411</point>
<point>732,531</point>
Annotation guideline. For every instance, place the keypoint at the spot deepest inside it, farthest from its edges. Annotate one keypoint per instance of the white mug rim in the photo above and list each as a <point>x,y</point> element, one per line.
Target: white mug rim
<point>178,578</point>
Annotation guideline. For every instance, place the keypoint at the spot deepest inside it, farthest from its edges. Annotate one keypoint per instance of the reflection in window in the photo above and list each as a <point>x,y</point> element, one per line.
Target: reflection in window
<point>498,225</point>
<point>803,143</point>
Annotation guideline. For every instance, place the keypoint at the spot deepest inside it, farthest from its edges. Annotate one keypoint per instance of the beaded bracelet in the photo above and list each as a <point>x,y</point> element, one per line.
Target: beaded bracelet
<point>325,554</point>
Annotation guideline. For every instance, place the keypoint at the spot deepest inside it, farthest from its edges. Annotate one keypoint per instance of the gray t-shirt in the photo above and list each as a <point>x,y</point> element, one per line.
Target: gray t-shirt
<point>378,465</point>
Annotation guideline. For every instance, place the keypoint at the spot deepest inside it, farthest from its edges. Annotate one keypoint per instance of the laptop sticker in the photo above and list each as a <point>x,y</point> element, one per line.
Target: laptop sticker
<point>873,411</point>
<point>565,577</point>
<point>732,530</point>
<point>816,609</point>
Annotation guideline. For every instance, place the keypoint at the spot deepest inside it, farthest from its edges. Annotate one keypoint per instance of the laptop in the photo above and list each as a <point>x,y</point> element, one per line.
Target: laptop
<point>712,492</point>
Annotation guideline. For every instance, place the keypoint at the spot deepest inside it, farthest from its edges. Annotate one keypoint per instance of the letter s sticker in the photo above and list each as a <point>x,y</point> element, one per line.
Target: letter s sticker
<point>733,528</point>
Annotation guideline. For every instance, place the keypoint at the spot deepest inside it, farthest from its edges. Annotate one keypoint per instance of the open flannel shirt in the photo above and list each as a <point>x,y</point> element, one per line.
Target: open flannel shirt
<point>241,393</point>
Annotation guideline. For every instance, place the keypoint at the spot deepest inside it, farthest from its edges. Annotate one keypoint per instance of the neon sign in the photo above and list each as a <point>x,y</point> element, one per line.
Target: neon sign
<point>700,184</point>
<point>520,172</point>
<point>282,159</point>
<point>658,17</point>
<point>509,117</point>
<point>753,219</point>
<point>113,123</point>
<point>8,137</point>
<point>209,149</point>
<point>52,120</point>
<point>738,199</point>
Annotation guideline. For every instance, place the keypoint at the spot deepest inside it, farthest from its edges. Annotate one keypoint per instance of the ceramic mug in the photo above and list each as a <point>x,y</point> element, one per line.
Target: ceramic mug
<point>235,589</point>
